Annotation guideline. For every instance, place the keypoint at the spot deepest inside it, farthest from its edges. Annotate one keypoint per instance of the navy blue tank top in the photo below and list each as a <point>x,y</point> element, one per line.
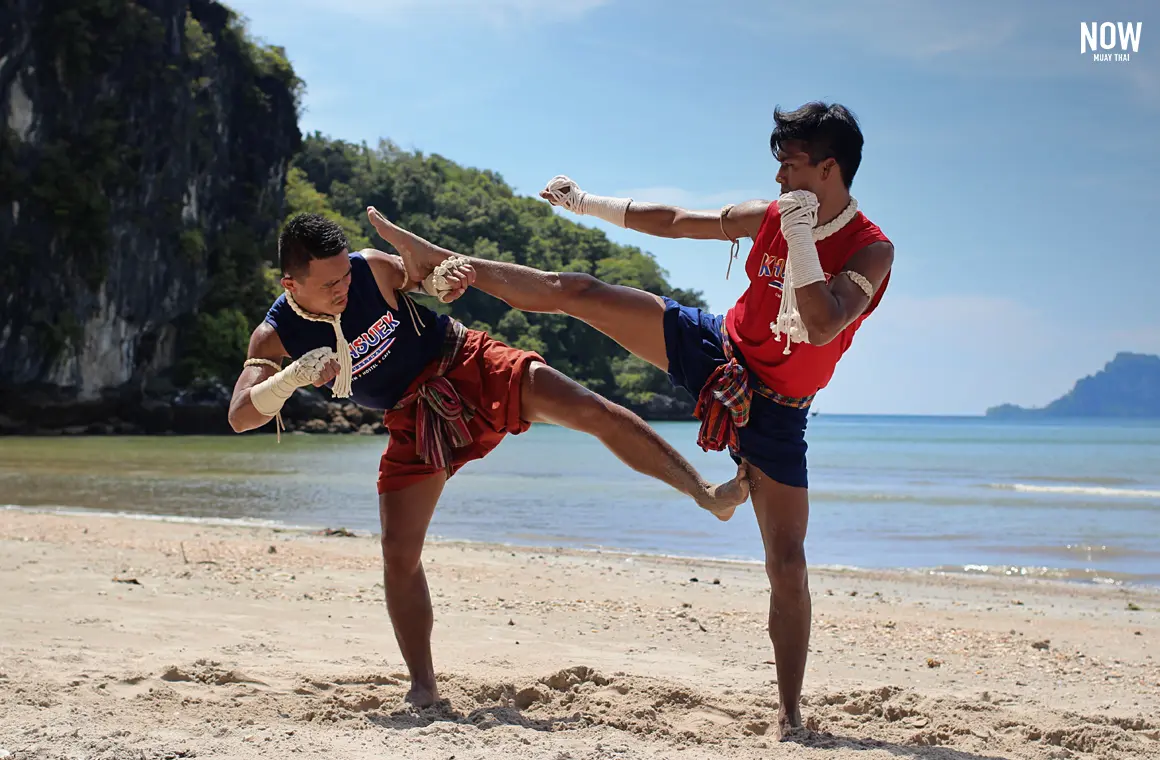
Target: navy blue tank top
<point>386,352</point>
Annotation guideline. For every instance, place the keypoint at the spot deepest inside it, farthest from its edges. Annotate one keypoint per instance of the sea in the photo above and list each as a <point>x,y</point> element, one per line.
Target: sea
<point>1069,500</point>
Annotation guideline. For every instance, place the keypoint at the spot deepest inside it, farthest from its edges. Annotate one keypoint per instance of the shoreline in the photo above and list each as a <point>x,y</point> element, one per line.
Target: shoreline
<point>140,637</point>
<point>1047,575</point>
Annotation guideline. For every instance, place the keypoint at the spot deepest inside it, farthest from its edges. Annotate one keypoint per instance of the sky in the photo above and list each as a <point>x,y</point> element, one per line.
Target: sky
<point>1012,172</point>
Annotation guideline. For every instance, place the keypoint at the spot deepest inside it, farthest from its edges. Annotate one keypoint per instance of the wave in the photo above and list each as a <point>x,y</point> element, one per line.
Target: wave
<point>1071,575</point>
<point>1076,490</point>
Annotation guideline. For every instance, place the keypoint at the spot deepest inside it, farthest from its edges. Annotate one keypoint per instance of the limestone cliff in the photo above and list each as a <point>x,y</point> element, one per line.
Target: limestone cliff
<point>143,151</point>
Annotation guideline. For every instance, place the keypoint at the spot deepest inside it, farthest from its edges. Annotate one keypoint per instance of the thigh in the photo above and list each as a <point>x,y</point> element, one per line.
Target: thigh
<point>549,395</point>
<point>404,516</point>
<point>773,445</point>
<point>782,513</point>
<point>631,317</point>
<point>774,442</point>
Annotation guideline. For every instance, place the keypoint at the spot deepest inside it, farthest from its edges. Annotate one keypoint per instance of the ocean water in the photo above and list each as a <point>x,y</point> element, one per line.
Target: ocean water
<point>1070,500</point>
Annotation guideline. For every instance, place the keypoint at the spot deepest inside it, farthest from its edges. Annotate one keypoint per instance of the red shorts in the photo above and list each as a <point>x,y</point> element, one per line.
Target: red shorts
<point>488,376</point>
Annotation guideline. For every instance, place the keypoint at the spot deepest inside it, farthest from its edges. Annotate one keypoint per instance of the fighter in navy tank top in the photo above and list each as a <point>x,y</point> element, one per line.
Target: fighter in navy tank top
<point>388,348</point>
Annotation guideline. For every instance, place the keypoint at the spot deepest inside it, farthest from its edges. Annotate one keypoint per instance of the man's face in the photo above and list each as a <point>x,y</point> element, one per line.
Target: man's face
<point>794,170</point>
<point>325,287</point>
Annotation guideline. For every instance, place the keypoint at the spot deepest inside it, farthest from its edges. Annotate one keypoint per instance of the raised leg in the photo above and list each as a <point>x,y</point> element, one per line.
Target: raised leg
<point>404,516</point>
<point>783,514</point>
<point>549,396</point>
<point>631,317</point>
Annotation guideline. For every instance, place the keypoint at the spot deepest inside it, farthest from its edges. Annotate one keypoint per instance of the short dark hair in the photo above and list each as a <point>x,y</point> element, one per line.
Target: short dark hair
<point>826,130</point>
<point>307,237</point>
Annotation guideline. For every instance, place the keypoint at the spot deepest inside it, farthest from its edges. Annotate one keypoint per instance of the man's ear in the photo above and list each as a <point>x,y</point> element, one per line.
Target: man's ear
<point>288,283</point>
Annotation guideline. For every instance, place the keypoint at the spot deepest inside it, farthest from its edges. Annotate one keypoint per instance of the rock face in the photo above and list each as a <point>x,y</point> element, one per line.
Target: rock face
<point>143,150</point>
<point>1127,387</point>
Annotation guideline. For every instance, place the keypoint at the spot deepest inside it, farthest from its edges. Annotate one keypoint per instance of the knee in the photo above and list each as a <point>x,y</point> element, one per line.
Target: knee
<point>401,557</point>
<point>785,565</point>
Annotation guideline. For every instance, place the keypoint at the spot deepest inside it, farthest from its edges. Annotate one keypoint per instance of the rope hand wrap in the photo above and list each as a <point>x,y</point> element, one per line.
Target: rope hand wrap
<point>436,283</point>
<point>342,383</point>
<point>562,191</point>
<point>271,394</point>
<point>799,215</point>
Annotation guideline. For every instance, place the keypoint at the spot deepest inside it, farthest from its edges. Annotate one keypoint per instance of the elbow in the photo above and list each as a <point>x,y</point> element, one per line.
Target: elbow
<point>236,417</point>
<point>822,331</point>
<point>666,222</point>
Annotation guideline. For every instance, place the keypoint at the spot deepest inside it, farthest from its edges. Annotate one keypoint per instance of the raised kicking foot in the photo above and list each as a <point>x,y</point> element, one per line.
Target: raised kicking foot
<point>723,499</point>
<point>419,256</point>
<point>422,696</point>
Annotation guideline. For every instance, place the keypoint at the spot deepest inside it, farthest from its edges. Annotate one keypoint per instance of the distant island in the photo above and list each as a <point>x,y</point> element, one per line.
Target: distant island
<point>1127,386</point>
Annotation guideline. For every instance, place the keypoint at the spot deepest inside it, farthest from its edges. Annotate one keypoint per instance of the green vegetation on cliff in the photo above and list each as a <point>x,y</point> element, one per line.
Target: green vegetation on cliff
<point>142,167</point>
<point>1128,386</point>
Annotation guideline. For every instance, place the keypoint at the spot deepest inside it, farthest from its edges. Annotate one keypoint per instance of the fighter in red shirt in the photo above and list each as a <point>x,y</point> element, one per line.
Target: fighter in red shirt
<point>817,269</point>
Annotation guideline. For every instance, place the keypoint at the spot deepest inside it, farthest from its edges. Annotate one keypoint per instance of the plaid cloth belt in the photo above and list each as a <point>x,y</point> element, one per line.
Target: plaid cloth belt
<point>724,402</point>
<point>442,417</point>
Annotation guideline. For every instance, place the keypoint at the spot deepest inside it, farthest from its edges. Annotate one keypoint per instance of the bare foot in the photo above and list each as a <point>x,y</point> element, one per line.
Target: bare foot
<point>419,256</point>
<point>422,696</point>
<point>722,500</point>
<point>789,725</point>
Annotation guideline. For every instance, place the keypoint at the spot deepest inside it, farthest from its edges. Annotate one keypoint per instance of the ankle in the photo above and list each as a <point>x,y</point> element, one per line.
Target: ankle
<point>705,493</point>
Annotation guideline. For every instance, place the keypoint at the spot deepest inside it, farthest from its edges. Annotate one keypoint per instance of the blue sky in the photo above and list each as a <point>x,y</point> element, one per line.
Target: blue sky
<point>1013,173</point>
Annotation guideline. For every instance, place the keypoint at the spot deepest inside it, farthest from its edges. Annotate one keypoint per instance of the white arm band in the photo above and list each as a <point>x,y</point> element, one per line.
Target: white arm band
<point>269,395</point>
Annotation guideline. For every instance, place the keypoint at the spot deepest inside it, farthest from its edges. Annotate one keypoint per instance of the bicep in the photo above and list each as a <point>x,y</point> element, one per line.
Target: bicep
<point>873,263</point>
<point>742,220</point>
<point>264,344</point>
<point>388,270</point>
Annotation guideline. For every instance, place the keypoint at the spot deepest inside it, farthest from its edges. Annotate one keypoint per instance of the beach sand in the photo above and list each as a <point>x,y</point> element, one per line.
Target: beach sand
<point>145,639</point>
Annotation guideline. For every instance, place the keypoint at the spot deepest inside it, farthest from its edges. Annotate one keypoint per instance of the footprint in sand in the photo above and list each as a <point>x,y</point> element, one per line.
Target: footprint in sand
<point>698,717</point>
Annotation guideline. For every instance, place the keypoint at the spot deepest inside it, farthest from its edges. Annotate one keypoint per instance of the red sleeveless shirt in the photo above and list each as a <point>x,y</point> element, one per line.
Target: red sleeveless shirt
<point>807,368</point>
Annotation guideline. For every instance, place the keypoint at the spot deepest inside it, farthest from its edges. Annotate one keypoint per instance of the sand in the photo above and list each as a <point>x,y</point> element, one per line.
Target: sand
<point>139,639</point>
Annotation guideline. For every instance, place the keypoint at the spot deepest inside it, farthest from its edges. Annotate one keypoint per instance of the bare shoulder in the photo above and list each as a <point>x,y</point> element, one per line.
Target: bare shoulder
<point>746,217</point>
<point>388,269</point>
<point>873,261</point>
<point>265,344</point>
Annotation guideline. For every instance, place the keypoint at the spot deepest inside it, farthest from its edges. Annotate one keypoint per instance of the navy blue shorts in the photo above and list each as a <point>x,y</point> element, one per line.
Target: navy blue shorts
<point>774,441</point>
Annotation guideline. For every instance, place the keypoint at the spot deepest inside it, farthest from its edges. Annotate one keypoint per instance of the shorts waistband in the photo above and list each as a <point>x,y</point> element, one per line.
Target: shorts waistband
<point>755,383</point>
